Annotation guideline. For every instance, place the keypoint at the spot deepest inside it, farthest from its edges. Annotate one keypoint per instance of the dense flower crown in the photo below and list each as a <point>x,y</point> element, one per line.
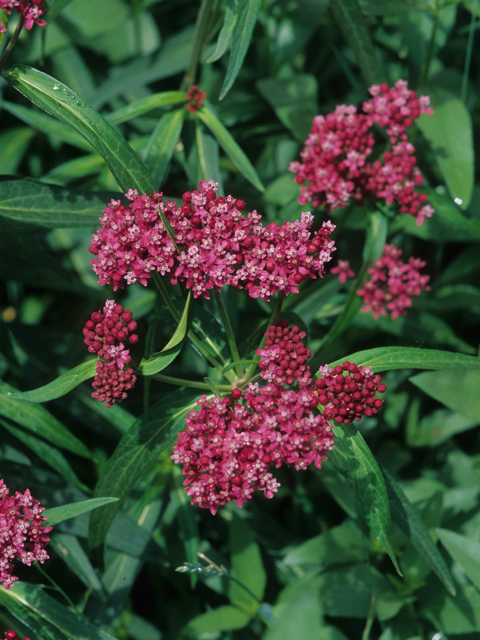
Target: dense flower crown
<point>32,11</point>
<point>334,164</point>
<point>229,444</point>
<point>20,538</point>
<point>106,334</point>
<point>214,245</point>
<point>393,283</point>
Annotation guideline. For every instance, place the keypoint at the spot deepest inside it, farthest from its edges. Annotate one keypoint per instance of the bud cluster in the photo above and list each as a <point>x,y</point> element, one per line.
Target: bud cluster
<point>334,164</point>
<point>348,397</point>
<point>32,10</point>
<point>392,284</point>
<point>195,97</point>
<point>21,533</point>
<point>106,334</point>
<point>214,245</point>
<point>11,635</point>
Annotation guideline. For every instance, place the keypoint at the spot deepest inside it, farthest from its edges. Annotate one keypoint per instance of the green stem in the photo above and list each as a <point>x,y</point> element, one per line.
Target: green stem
<point>468,56</point>
<point>199,38</point>
<point>431,49</point>
<point>177,315</point>
<point>12,42</point>
<point>181,382</point>
<point>228,330</point>
<point>56,586</point>
<point>273,317</point>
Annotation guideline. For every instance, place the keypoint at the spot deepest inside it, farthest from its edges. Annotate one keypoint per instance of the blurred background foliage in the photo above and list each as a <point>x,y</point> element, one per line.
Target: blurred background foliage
<point>311,565</point>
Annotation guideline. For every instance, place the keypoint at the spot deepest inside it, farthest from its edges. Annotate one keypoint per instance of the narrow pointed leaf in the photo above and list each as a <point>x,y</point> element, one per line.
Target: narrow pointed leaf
<point>352,453</point>
<point>24,201</point>
<point>61,385</point>
<point>136,452</point>
<point>71,552</point>
<point>162,143</point>
<point>351,22</point>
<point>47,618</point>
<point>466,552</point>
<point>388,358</point>
<point>37,419</point>
<point>226,33</point>
<point>408,520</point>
<point>456,389</point>
<point>74,509</point>
<point>60,101</point>
<point>144,105</point>
<point>242,34</point>
<point>159,361</point>
<point>231,148</point>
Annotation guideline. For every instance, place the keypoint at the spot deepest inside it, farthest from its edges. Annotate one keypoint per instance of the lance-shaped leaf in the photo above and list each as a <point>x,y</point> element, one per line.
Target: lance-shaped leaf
<point>38,420</point>
<point>60,101</point>
<point>226,33</point>
<point>74,509</point>
<point>231,148</point>
<point>466,552</point>
<point>61,385</point>
<point>456,389</point>
<point>388,358</point>
<point>24,201</point>
<point>162,143</point>
<point>351,455</point>
<point>159,361</point>
<point>46,617</point>
<point>408,520</point>
<point>351,22</point>
<point>144,105</point>
<point>242,34</point>
<point>136,452</point>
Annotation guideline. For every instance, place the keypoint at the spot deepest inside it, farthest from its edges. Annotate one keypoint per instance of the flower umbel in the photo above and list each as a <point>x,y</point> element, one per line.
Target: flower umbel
<point>32,10</point>
<point>21,533</point>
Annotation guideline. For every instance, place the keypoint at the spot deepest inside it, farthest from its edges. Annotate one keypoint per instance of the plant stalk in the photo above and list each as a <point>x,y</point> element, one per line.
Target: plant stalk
<point>12,42</point>
<point>229,331</point>
<point>273,317</point>
<point>199,37</point>
<point>181,382</point>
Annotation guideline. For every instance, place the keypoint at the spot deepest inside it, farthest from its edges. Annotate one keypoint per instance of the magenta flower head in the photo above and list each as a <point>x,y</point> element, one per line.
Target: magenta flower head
<point>392,284</point>
<point>21,533</point>
<point>214,245</point>
<point>106,334</point>
<point>334,170</point>
<point>32,10</point>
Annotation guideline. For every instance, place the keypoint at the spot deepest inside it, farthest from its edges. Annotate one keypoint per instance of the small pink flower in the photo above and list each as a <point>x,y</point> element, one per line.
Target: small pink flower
<point>32,11</point>
<point>343,270</point>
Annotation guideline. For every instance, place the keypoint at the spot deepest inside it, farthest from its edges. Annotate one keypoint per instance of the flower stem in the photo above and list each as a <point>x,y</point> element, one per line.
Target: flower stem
<point>181,382</point>
<point>228,330</point>
<point>12,42</point>
<point>468,56</point>
<point>273,317</point>
<point>177,315</point>
<point>199,38</point>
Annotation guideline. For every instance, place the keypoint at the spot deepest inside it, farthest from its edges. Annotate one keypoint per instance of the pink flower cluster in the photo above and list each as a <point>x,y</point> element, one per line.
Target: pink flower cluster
<point>348,397</point>
<point>11,635</point>
<point>106,334</point>
<point>21,533</point>
<point>32,10</point>
<point>195,97</point>
<point>214,245</point>
<point>393,283</point>
<point>228,447</point>
<point>334,164</point>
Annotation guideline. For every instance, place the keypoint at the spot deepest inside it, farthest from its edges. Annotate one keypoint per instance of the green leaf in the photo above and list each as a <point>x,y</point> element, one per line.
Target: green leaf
<point>223,618</point>
<point>24,201</point>
<point>226,33</point>
<point>162,143</point>
<point>61,385</point>
<point>405,516</point>
<point>438,427</point>
<point>294,101</point>
<point>449,132</point>
<point>466,552</point>
<point>136,452</point>
<point>144,105</point>
<point>71,552</point>
<point>242,34</point>
<point>351,453</point>
<point>456,389</point>
<point>187,520</point>
<point>159,361</point>
<point>38,420</point>
<point>48,619</point>
<point>228,144</point>
<point>74,509</point>
<point>56,7</point>
<point>61,102</point>
<point>14,144</point>
<point>388,358</point>
<point>351,22</point>
<point>247,566</point>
